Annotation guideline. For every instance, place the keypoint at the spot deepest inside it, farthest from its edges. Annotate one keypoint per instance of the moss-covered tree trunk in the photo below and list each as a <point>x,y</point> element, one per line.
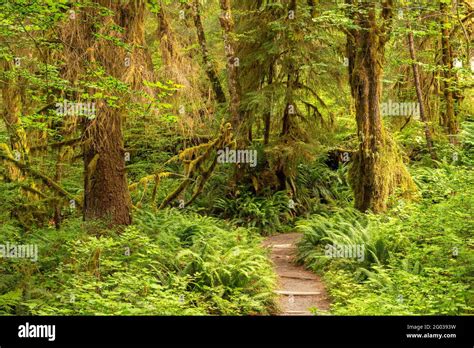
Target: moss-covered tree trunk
<point>377,168</point>
<point>208,64</point>
<point>288,133</point>
<point>419,95</point>
<point>448,119</point>
<point>227,24</point>
<point>11,116</point>
<point>106,194</point>
<point>106,191</point>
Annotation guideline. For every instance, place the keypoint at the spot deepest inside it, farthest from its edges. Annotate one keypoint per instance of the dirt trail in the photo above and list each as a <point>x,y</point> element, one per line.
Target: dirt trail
<point>298,289</point>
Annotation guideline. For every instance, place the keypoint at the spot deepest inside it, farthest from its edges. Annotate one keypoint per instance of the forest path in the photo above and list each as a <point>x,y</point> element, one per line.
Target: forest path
<point>298,289</point>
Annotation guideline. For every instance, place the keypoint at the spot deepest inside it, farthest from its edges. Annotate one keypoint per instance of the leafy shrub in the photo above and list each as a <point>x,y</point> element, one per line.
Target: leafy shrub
<point>167,263</point>
<point>343,227</point>
<point>319,186</point>
<point>424,261</point>
<point>266,213</point>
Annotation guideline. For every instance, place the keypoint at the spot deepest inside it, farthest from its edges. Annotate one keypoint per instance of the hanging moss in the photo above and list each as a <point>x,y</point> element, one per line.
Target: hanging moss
<point>194,162</point>
<point>374,176</point>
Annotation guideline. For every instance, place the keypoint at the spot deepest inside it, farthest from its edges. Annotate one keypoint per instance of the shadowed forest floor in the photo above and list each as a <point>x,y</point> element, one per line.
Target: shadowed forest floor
<point>299,290</point>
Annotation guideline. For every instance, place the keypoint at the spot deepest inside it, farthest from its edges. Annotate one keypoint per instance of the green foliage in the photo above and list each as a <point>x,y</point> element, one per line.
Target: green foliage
<point>341,227</point>
<point>266,213</point>
<point>467,140</point>
<point>320,187</point>
<point>420,254</point>
<point>167,263</point>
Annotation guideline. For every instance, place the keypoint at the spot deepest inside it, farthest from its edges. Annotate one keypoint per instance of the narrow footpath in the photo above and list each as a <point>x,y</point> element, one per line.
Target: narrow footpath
<point>299,289</point>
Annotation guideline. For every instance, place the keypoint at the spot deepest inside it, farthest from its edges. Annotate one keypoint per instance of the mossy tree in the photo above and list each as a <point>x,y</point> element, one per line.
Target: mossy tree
<point>448,117</point>
<point>377,169</point>
<point>95,32</point>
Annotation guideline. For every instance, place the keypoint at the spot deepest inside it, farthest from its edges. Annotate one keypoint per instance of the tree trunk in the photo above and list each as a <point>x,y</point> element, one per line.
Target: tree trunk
<point>289,114</point>
<point>227,24</point>
<point>419,94</point>
<point>169,51</point>
<point>106,194</point>
<point>377,168</point>
<point>11,116</point>
<point>208,64</point>
<point>268,114</point>
<point>449,118</point>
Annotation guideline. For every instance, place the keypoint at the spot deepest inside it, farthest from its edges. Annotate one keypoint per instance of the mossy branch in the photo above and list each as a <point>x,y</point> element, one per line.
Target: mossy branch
<point>38,175</point>
<point>70,142</point>
<point>193,167</point>
<point>203,178</point>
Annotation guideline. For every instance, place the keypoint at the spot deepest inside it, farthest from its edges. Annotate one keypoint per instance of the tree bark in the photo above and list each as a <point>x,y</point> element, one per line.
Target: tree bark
<point>169,51</point>
<point>227,24</point>
<point>268,115</point>
<point>419,94</point>
<point>11,116</point>
<point>289,114</point>
<point>377,168</point>
<point>106,194</point>
<point>448,120</point>
<point>208,64</point>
